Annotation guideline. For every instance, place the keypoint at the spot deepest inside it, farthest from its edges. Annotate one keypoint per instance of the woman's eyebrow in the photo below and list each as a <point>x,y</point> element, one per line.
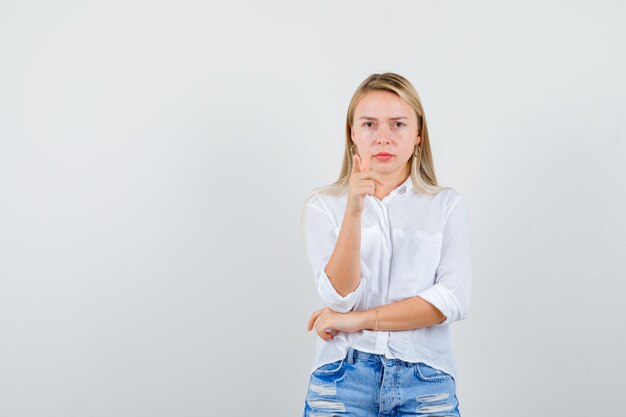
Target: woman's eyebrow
<point>391,118</point>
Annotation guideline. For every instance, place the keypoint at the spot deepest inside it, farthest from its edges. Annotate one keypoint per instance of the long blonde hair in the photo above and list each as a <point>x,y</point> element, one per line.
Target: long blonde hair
<point>421,168</point>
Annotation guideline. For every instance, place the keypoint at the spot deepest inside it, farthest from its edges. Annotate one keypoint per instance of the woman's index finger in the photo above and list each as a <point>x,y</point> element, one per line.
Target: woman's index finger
<point>356,163</point>
<point>366,162</point>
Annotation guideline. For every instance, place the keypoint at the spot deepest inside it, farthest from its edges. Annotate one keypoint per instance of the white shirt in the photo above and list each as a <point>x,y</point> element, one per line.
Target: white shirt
<point>411,244</point>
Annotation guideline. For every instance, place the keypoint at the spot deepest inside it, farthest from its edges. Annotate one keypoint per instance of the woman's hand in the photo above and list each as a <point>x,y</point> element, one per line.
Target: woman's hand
<point>362,181</point>
<point>327,322</point>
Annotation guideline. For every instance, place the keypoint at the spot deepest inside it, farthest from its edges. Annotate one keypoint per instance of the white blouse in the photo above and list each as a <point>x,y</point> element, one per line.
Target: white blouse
<point>411,244</point>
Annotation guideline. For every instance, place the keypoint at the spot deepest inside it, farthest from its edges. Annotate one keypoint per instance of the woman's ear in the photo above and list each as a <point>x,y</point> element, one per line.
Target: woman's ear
<point>419,139</point>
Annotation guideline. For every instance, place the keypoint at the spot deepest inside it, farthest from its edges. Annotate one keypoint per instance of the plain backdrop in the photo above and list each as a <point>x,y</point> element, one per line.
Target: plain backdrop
<point>155,156</point>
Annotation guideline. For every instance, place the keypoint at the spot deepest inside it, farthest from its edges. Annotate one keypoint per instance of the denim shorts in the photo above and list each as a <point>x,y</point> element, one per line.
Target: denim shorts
<point>369,385</point>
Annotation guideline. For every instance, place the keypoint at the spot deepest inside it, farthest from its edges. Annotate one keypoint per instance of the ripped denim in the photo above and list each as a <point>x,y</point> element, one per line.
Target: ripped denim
<point>369,385</point>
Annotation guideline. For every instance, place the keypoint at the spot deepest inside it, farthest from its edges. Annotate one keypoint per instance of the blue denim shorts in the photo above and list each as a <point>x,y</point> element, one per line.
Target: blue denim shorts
<point>365,384</point>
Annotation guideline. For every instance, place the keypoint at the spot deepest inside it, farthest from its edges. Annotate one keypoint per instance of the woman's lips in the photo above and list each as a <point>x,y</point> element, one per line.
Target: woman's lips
<point>383,157</point>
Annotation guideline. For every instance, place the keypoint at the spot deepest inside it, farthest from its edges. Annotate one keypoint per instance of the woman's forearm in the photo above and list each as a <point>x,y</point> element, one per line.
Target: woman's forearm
<point>344,266</point>
<point>410,313</point>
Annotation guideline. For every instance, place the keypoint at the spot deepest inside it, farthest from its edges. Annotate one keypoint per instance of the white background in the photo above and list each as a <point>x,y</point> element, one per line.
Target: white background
<point>154,158</point>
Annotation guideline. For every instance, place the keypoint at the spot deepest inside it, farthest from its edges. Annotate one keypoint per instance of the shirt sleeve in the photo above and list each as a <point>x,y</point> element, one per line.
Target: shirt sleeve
<point>453,278</point>
<point>320,238</point>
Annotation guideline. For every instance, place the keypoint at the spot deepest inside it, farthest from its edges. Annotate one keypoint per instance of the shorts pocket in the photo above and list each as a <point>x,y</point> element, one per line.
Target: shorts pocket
<point>331,368</point>
<point>427,373</point>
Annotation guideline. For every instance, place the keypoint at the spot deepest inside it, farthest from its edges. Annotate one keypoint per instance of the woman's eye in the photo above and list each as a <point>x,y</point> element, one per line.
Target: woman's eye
<point>400,123</point>
<point>367,123</point>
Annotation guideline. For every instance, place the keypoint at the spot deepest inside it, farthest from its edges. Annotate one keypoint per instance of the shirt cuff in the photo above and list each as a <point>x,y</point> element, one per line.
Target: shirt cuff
<point>333,299</point>
<point>441,297</point>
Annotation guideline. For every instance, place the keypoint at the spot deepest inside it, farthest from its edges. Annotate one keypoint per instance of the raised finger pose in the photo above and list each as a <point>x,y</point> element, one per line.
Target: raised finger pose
<point>390,253</point>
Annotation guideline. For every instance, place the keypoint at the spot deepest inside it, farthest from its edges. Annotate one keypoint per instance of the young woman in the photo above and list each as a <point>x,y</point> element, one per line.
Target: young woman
<point>390,254</point>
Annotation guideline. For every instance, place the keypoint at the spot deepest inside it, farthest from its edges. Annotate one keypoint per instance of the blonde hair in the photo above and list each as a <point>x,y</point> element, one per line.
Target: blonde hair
<point>421,168</point>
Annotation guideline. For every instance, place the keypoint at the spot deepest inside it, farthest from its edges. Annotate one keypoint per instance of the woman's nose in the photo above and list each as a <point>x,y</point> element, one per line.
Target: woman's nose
<point>383,135</point>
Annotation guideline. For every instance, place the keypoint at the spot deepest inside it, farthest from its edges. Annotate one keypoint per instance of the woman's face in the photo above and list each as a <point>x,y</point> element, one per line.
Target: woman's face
<point>384,123</point>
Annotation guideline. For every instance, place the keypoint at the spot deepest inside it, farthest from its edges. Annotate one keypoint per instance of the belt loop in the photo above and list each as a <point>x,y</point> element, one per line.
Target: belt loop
<point>350,355</point>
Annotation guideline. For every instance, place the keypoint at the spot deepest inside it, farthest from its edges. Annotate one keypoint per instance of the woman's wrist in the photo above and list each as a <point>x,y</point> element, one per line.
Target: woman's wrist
<point>353,213</point>
<point>368,319</point>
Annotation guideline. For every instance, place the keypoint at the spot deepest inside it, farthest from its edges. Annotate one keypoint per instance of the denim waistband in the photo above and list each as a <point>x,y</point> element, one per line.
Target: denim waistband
<point>354,354</point>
